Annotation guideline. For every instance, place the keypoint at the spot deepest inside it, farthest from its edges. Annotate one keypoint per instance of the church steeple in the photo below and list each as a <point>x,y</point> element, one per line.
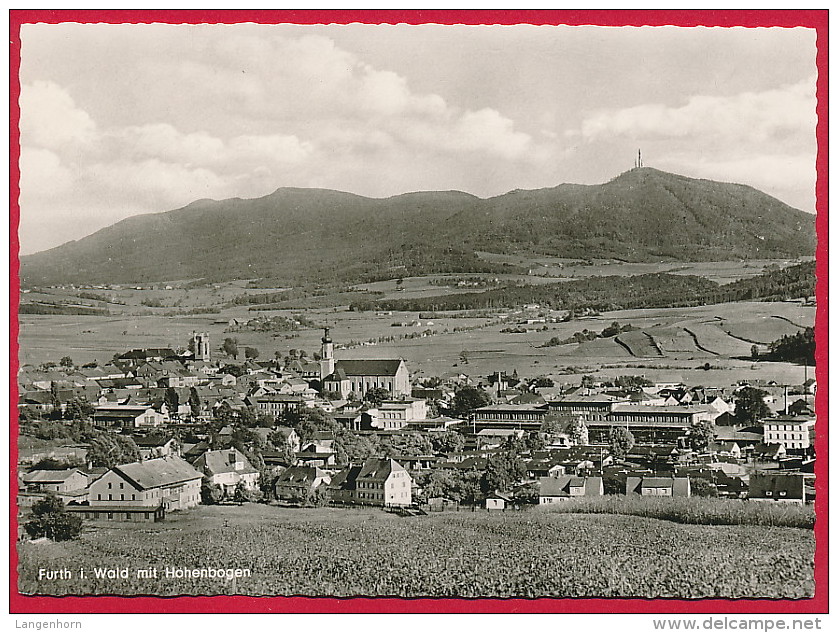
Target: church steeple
<point>327,354</point>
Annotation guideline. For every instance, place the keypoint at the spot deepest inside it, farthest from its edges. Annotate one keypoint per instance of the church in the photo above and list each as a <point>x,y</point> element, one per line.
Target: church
<point>359,376</point>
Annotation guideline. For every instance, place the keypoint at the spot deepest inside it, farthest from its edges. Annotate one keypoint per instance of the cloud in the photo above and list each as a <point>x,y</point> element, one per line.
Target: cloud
<point>243,115</point>
<point>771,115</point>
<point>49,117</point>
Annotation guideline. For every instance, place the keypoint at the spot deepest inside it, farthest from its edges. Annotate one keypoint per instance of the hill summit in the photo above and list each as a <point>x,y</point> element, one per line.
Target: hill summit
<point>311,235</point>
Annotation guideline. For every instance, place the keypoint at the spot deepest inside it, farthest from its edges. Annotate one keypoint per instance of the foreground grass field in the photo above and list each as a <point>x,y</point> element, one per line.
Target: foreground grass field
<point>341,552</point>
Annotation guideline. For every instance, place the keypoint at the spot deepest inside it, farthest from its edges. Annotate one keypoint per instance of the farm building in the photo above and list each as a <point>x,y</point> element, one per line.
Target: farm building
<point>152,446</point>
<point>558,489</point>
<point>118,417</point>
<point>226,468</point>
<point>142,491</point>
<point>769,452</point>
<point>658,486</point>
<point>69,485</point>
<point>58,481</point>
<point>779,488</point>
<point>298,482</point>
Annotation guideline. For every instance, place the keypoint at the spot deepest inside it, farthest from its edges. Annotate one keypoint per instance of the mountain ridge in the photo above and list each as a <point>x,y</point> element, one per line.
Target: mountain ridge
<point>304,235</point>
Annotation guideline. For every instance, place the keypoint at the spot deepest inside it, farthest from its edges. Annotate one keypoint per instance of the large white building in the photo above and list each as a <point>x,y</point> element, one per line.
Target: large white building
<point>792,431</point>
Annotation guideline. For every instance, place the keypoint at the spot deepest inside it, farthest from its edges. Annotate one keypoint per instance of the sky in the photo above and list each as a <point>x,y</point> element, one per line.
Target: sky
<point>119,120</point>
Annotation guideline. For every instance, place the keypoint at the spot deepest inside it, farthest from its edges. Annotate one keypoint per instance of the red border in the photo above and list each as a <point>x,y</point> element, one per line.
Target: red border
<point>817,19</point>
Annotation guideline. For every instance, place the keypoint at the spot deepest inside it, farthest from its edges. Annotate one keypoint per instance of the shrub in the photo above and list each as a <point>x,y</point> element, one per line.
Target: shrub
<point>58,526</point>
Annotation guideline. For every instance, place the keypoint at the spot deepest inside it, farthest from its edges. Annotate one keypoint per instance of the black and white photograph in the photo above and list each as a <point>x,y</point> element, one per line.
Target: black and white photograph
<point>417,311</point>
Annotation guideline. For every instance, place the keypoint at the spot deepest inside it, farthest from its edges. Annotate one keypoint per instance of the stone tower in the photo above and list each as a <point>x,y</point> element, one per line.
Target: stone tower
<point>327,353</point>
<point>201,346</point>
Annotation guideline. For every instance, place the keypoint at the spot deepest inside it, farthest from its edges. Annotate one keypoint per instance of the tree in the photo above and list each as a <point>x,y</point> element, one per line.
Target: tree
<point>240,495</point>
<point>750,405</point>
<point>621,441</point>
<point>754,352</point>
<point>307,421</point>
<point>48,505</point>
<point>172,400</point>
<point>502,471</point>
<point>467,399</point>
<point>376,395</point>
<point>67,362</point>
<point>267,481</point>
<point>211,493</point>
<point>407,444</point>
<point>108,450</point>
<point>194,402</point>
<point>53,521</point>
<point>78,409</point>
<point>535,441</point>
<point>251,352</point>
<point>701,435</point>
<point>448,442</point>
<point>632,382</point>
<point>700,487</point>
<point>351,448</point>
<point>230,346</point>
<point>578,431</point>
<point>318,497</point>
<point>555,425</point>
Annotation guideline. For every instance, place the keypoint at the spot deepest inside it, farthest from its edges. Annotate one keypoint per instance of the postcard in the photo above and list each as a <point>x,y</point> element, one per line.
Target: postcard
<point>409,311</point>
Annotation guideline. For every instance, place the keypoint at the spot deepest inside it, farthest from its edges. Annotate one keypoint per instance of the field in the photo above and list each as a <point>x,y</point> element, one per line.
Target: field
<point>342,552</point>
<point>688,337</point>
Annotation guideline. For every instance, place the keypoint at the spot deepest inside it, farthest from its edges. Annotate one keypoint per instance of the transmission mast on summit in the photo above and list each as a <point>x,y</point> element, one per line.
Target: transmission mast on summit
<point>639,162</point>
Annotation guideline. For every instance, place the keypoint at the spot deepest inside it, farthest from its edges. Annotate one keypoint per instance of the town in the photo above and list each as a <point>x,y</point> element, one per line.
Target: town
<point>158,431</point>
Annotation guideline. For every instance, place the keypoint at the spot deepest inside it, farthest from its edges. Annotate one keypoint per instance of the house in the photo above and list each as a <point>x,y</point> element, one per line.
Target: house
<point>359,376</point>
<point>315,457</point>
<point>70,485</point>
<point>780,488</point>
<point>551,467</point>
<point>292,439</point>
<point>343,486</point>
<point>381,482</point>
<point>558,489</point>
<point>658,486</point>
<point>497,501</point>
<point>394,414</point>
<point>769,452</point>
<point>295,484</point>
<point>151,446</point>
<point>276,404</point>
<point>226,468</point>
<point>120,417</point>
<point>730,449</point>
<point>142,491</point>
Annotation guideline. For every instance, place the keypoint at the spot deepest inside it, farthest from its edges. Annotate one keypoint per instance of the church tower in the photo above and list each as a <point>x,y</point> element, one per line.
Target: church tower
<point>201,346</point>
<point>327,353</point>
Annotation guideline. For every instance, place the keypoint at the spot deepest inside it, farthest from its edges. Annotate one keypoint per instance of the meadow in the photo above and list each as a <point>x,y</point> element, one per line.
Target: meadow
<point>353,552</point>
<point>690,338</point>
